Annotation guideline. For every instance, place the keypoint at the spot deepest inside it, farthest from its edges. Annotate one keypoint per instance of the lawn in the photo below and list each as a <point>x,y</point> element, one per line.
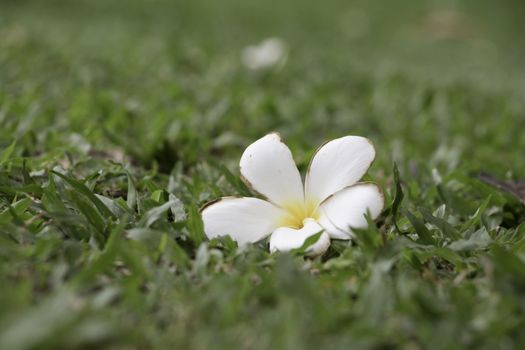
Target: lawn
<point>119,120</point>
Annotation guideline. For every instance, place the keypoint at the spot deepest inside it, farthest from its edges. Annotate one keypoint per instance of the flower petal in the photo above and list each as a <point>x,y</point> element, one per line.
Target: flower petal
<point>347,208</point>
<point>285,239</point>
<point>338,164</point>
<point>246,220</point>
<point>268,167</point>
<point>333,231</point>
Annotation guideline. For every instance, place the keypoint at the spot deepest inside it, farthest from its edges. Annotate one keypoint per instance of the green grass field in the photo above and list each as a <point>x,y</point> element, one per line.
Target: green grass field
<point>119,120</point>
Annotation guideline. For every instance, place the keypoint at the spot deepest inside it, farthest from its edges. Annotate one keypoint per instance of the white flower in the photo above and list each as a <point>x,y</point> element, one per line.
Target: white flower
<point>267,54</point>
<point>331,200</point>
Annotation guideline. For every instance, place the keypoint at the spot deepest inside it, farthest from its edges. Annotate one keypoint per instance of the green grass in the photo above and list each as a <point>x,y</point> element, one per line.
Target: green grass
<point>119,120</point>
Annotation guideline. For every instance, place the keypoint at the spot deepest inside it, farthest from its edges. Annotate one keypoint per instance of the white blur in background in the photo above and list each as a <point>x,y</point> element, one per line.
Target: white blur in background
<point>269,53</point>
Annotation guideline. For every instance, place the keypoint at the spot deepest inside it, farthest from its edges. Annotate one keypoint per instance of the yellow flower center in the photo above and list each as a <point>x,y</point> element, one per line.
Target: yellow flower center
<point>297,212</point>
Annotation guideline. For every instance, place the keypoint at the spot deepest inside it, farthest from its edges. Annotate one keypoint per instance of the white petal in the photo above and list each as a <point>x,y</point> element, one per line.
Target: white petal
<point>246,220</point>
<point>333,231</point>
<point>347,208</point>
<point>268,167</point>
<point>338,164</point>
<point>285,239</point>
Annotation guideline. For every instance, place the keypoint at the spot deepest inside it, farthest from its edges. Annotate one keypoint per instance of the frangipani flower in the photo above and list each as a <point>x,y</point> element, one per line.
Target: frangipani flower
<point>267,54</point>
<point>331,200</point>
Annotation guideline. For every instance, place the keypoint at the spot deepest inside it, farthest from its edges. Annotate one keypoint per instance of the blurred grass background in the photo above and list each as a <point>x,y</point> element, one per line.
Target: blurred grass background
<point>140,101</point>
<point>121,72</point>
